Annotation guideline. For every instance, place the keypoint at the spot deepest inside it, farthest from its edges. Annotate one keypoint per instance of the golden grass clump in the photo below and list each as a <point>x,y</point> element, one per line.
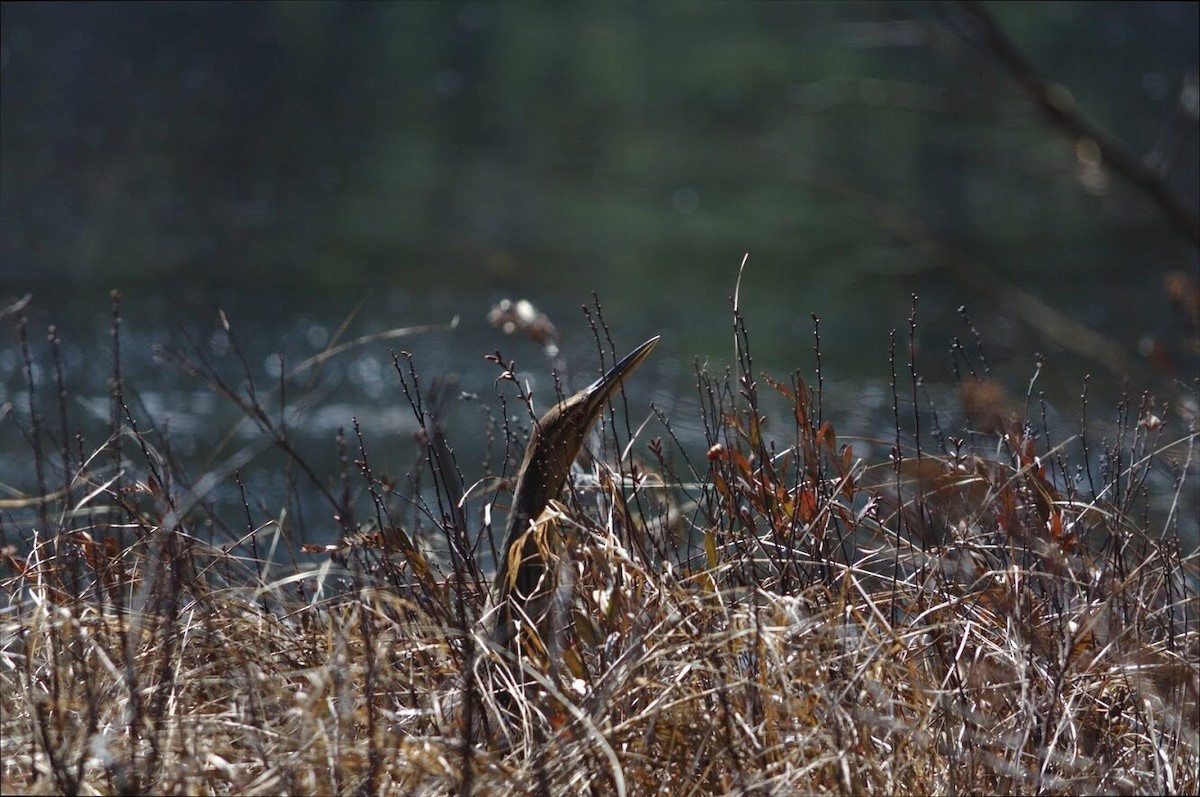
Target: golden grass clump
<point>777,610</point>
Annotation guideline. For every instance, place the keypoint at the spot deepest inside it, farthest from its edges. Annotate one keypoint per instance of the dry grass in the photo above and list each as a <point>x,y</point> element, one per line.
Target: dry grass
<point>995,615</point>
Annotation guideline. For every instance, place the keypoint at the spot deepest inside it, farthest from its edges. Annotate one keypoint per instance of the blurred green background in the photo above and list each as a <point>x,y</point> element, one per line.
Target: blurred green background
<point>287,161</point>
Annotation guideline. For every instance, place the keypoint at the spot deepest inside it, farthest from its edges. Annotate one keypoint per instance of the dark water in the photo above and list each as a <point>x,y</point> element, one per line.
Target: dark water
<point>301,166</point>
<point>208,434</point>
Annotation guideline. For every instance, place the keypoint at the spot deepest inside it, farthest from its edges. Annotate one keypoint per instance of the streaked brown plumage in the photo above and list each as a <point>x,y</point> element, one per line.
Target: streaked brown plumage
<point>553,445</point>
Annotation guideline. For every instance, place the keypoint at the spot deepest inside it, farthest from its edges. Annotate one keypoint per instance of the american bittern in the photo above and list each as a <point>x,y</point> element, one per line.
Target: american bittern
<point>553,445</point>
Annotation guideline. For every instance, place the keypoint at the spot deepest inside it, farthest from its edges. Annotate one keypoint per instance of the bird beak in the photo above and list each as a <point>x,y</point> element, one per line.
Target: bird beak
<point>603,388</point>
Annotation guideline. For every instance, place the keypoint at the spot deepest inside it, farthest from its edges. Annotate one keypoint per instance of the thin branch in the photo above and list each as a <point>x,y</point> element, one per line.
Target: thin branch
<point>1056,104</point>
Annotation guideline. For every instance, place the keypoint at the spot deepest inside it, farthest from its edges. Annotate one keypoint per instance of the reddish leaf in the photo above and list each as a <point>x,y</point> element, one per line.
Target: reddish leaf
<point>721,485</point>
<point>808,505</point>
<point>848,486</point>
<point>780,386</point>
<point>1056,525</point>
<point>826,436</point>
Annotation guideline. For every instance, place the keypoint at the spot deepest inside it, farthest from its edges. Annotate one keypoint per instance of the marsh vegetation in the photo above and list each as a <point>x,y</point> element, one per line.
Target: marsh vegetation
<point>970,606</point>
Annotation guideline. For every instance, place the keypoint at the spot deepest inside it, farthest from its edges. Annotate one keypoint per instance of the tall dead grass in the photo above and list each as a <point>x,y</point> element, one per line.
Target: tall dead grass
<point>992,612</point>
